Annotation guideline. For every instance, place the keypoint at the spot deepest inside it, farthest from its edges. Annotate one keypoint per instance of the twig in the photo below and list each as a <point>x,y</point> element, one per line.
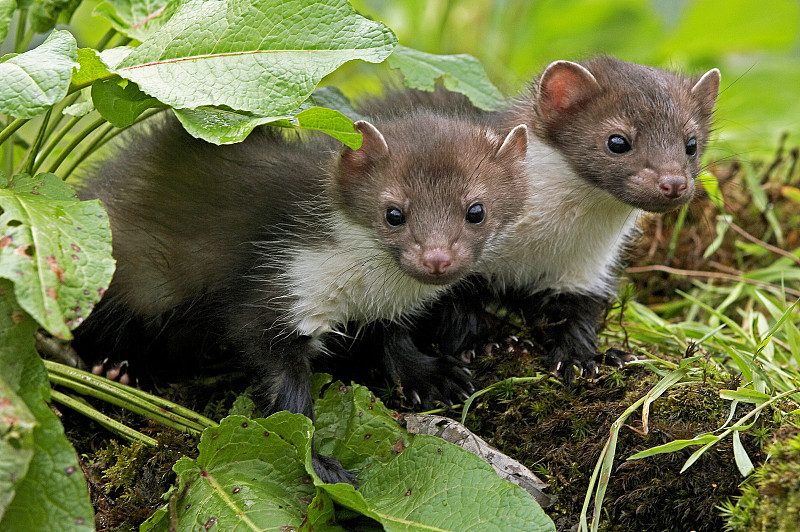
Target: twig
<point>709,275</point>
<point>763,244</point>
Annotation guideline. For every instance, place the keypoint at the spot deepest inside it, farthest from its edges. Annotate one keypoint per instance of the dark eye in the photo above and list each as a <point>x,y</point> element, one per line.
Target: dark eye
<point>476,213</point>
<point>395,216</point>
<point>618,144</point>
<point>691,146</point>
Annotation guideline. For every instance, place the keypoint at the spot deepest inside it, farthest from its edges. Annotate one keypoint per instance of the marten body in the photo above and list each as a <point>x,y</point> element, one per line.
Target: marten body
<point>609,140</point>
<point>270,245</point>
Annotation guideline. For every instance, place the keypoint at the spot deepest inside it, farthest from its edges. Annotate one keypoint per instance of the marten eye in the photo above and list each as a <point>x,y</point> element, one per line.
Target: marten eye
<point>394,216</point>
<point>691,146</point>
<point>618,144</point>
<point>476,213</point>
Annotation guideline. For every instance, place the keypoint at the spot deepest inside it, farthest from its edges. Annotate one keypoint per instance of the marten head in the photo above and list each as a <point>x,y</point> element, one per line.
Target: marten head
<point>634,131</point>
<point>434,190</point>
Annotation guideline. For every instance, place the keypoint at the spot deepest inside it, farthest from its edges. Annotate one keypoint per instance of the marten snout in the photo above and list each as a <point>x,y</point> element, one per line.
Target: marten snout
<point>672,186</point>
<point>437,261</point>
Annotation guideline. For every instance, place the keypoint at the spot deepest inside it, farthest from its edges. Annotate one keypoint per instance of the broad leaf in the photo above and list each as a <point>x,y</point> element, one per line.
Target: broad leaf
<point>406,482</point>
<point>120,105</point>
<point>263,57</point>
<point>225,127</point>
<point>240,462</point>
<point>460,73</point>
<point>50,493</point>
<point>90,69</point>
<point>7,8</point>
<point>33,81</point>
<point>136,19</point>
<point>55,249</point>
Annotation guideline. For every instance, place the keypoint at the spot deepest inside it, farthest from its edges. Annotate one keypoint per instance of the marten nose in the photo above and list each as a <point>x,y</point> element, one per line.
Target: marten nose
<point>437,261</point>
<point>672,186</point>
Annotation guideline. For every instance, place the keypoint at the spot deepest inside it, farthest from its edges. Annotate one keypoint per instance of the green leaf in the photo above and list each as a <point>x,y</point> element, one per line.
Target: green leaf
<point>460,73</point>
<point>221,126</point>
<point>16,420</point>
<point>90,69</point>
<point>44,14</point>
<point>51,494</point>
<point>743,461</point>
<point>137,20</point>
<point>710,183</point>
<point>675,445</point>
<point>243,461</point>
<point>7,8</point>
<point>33,81</point>
<point>406,482</point>
<point>745,395</point>
<point>120,105</point>
<point>55,249</point>
<point>436,485</point>
<point>263,57</point>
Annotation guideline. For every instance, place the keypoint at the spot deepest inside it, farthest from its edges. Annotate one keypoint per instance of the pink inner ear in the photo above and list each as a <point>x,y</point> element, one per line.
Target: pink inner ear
<point>564,85</point>
<point>355,162</point>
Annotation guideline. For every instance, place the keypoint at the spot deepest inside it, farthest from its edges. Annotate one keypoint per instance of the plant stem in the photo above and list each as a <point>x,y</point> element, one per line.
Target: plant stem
<point>27,166</point>
<point>11,128</point>
<point>128,395</point>
<point>74,143</point>
<point>105,39</point>
<point>20,36</point>
<point>114,426</point>
<point>54,142</point>
<point>90,148</point>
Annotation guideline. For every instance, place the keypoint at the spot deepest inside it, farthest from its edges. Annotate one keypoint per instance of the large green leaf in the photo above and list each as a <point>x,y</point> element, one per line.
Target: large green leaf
<point>224,127</point>
<point>7,8</point>
<point>263,57</point>
<point>49,492</point>
<point>55,249</point>
<point>240,462</point>
<point>136,19</point>
<point>406,482</point>
<point>90,69</point>
<point>460,73</point>
<point>33,81</point>
<point>120,103</point>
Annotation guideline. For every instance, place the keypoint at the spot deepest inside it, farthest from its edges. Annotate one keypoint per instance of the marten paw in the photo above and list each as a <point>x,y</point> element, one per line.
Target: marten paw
<point>615,357</point>
<point>569,365</point>
<point>445,380</point>
<point>115,372</point>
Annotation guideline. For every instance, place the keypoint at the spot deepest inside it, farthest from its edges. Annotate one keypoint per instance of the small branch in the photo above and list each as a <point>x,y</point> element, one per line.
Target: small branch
<point>709,275</point>
<point>763,244</point>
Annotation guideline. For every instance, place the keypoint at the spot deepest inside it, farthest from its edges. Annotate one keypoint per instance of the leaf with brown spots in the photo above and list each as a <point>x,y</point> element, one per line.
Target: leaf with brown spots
<point>60,260</point>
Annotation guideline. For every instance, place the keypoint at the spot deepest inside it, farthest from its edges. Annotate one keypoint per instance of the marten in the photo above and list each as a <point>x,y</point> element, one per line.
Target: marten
<point>271,245</point>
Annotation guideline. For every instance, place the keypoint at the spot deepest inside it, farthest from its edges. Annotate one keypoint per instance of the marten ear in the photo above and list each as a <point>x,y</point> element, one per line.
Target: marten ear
<point>515,144</point>
<point>563,85</point>
<point>373,147</point>
<point>707,88</point>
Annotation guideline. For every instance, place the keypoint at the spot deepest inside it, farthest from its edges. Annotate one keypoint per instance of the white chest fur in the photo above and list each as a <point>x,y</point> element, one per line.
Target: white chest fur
<point>351,279</point>
<point>570,235</point>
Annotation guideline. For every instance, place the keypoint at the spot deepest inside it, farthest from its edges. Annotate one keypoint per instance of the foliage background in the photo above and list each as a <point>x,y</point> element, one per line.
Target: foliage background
<point>756,46</point>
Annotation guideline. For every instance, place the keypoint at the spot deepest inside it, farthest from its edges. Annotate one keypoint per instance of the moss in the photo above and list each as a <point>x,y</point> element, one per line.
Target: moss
<point>122,466</point>
<point>770,499</point>
<point>692,402</point>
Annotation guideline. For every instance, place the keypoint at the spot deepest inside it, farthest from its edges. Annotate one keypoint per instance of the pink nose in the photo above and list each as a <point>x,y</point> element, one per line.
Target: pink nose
<point>672,186</point>
<point>436,261</point>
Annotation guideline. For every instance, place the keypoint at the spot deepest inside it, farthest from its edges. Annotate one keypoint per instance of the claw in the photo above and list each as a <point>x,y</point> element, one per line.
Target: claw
<point>415,398</point>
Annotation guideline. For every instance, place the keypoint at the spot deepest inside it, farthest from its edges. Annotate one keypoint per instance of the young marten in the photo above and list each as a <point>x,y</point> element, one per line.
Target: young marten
<point>270,245</point>
<point>609,140</point>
